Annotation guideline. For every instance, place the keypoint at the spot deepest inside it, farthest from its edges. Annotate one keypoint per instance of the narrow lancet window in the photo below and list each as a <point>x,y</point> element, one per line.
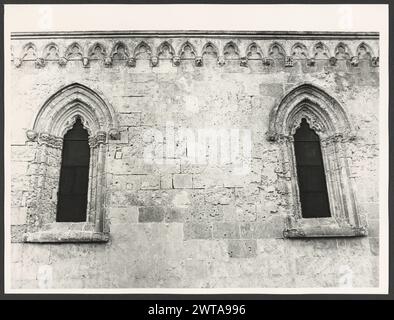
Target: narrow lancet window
<point>74,175</point>
<point>310,172</point>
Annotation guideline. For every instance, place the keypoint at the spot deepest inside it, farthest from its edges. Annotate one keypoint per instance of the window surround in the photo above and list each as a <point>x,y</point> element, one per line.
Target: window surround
<point>57,116</point>
<point>329,121</point>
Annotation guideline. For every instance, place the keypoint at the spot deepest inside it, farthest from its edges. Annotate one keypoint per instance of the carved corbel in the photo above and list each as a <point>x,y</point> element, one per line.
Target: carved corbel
<point>333,61</point>
<point>62,61</point>
<point>114,134</point>
<point>108,62</point>
<point>311,62</point>
<point>31,135</point>
<point>375,61</point>
<point>221,61</point>
<point>198,61</point>
<point>176,60</point>
<point>154,61</point>
<point>243,62</point>
<point>85,62</point>
<point>40,63</point>
<point>131,62</point>
<point>354,61</point>
<point>289,61</point>
<point>17,62</point>
<point>267,61</point>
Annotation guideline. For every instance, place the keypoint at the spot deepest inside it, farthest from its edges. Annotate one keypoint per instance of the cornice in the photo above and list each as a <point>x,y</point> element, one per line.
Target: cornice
<point>255,35</point>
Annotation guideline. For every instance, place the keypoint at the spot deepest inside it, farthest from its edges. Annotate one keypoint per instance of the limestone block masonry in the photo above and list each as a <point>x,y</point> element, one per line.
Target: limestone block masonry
<point>177,223</point>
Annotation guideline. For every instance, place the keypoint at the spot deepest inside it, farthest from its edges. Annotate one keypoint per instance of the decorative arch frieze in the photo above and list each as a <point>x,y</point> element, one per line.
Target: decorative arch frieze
<point>254,52</point>
<point>231,51</point>
<point>74,51</point>
<point>55,118</point>
<point>330,122</point>
<point>51,52</point>
<point>210,50</point>
<point>165,51</point>
<point>97,51</point>
<point>342,51</point>
<point>223,49</point>
<point>299,51</point>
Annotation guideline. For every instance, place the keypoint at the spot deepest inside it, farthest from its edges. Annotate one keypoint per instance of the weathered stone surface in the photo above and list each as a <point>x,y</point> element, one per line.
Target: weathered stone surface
<point>226,230</point>
<point>242,248</point>
<point>182,181</point>
<point>197,230</point>
<point>151,214</point>
<point>184,218</point>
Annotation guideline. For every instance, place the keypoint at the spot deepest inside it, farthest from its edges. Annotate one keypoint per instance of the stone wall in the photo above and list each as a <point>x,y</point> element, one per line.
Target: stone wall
<point>182,224</point>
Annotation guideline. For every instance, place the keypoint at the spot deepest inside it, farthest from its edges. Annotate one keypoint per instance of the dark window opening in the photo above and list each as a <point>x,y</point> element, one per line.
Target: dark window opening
<point>310,171</point>
<point>74,175</point>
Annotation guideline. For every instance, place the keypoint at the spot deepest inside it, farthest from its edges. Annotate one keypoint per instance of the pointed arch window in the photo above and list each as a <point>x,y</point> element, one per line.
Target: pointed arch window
<point>310,173</point>
<point>68,179</point>
<point>74,175</point>
<point>313,134</point>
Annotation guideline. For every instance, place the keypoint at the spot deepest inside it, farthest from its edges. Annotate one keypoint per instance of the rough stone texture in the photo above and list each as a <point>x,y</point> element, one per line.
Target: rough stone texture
<point>182,224</point>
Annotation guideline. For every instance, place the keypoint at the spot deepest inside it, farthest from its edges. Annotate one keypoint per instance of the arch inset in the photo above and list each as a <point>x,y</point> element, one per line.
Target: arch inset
<point>210,50</point>
<point>97,51</point>
<point>187,51</point>
<point>59,112</point>
<point>165,50</point>
<point>276,51</point>
<point>29,51</point>
<point>364,51</point>
<point>142,51</point>
<point>323,112</point>
<point>231,50</point>
<point>253,51</point>
<point>120,51</point>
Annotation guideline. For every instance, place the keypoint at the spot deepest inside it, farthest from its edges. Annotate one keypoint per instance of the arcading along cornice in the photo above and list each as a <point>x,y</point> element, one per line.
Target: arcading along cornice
<point>281,51</point>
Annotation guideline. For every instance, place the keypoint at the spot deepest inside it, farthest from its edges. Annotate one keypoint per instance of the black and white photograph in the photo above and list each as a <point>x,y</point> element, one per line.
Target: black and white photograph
<point>149,153</point>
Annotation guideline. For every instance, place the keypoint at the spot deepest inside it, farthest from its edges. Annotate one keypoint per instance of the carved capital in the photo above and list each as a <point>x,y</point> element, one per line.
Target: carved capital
<point>176,60</point>
<point>50,140</point>
<point>243,62</point>
<point>98,139</point>
<point>198,61</point>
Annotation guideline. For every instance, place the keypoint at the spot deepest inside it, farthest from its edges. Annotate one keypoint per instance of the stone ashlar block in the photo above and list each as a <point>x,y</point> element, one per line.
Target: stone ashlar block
<point>151,214</point>
<point>195,230</point>
<point>182,181</point>
<point>130,119</point>
<point>226,230</point>
<point>150,182</point>
<point>242,248</point>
